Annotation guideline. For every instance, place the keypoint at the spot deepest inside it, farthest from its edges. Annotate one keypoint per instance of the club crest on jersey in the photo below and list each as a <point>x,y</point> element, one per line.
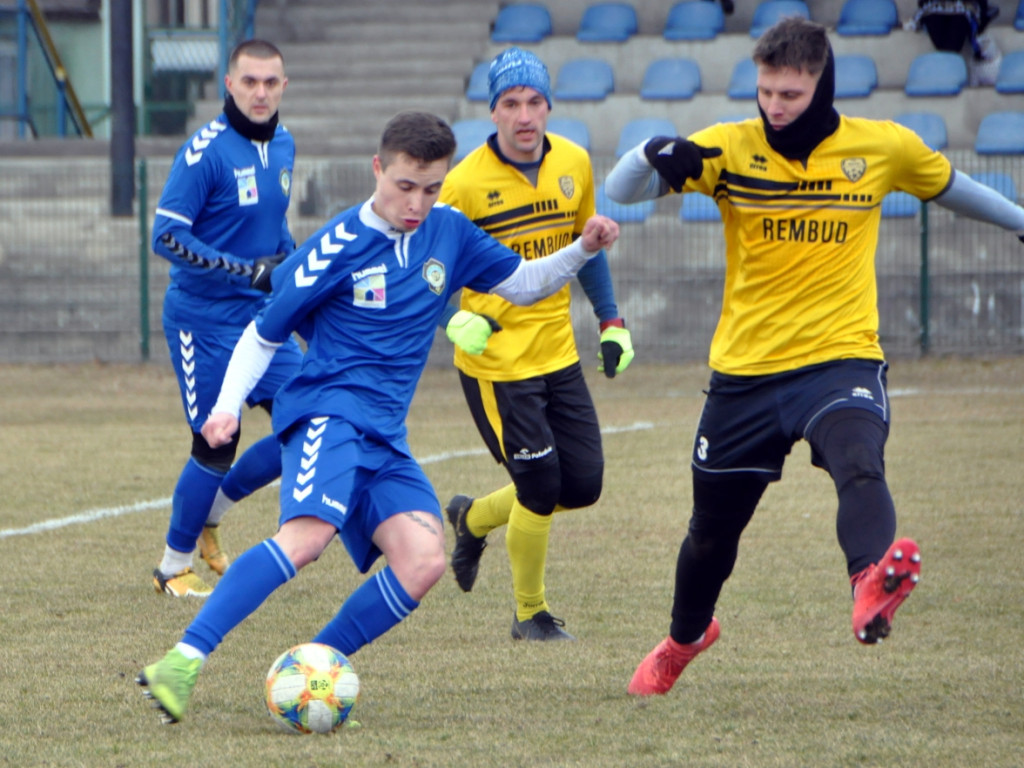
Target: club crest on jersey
<point>370,292</point>
<point>433,273</point>
<point>286,182</point>
<point>853,167</point>
<point>248,192</point>
<point>567,185</point>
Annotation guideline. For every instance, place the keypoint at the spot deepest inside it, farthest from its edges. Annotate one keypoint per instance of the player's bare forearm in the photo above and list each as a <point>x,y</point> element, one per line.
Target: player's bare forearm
<point>219,429</point>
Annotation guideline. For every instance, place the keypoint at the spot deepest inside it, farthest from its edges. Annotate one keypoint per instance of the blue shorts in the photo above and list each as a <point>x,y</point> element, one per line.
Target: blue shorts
<point>200,359</point>
<point>335,473</point>
<point>750,423</point>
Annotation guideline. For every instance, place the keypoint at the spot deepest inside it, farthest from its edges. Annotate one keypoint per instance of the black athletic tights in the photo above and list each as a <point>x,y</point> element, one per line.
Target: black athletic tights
<point>850,445</point>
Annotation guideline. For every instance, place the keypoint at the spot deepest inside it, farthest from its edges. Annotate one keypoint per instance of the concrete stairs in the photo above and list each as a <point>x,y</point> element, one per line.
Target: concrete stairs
<point>352,66</point>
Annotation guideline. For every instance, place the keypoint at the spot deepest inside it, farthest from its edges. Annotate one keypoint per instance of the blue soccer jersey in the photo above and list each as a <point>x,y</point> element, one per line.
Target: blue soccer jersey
<point>225,200</point>
<point>367,298</point>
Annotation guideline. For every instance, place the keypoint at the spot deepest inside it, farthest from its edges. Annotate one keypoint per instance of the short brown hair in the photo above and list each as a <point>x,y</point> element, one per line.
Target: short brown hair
<point>420,135</point>
<point>258,49</point>
<point>793,43</point>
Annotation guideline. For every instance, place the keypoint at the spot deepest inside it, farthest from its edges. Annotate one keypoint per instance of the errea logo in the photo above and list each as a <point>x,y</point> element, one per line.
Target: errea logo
<point>862,392</point>
<point>493,198</point>
<point>758,163</point>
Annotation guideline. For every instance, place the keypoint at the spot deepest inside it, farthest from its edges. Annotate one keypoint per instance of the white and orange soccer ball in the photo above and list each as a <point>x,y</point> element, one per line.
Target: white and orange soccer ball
<point>311,688</point>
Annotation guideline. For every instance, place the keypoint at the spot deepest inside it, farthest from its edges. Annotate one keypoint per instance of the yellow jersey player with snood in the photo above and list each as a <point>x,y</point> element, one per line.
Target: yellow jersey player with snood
<point>796,353</point>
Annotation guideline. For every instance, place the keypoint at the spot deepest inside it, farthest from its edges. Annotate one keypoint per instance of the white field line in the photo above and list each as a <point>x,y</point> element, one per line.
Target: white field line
<point>92,515</point>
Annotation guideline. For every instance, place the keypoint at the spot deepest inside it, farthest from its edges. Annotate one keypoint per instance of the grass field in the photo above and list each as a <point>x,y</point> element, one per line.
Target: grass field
<point>96,451</point>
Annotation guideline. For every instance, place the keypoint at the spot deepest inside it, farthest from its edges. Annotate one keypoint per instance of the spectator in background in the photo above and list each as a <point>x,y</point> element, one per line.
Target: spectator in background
<point>953,25</point>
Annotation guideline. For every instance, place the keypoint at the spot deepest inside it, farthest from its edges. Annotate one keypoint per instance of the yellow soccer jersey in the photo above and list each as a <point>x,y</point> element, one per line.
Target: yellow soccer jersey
<point>800,242</point>
<point>534,222</point>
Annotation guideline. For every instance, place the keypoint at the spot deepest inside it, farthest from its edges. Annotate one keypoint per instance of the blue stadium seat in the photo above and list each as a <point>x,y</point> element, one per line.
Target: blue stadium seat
<point>930,126</point>
<point>622,213</point>
<point>743,81</point>
<point>584,80</point>
<point>699,207</point>
<point>607,23</point>
<point>856,76</point>
<point>572,129</point>
<point>1011,73</point>
<point>470,134</point>
<point>867,17</point>
<point>671,79</point>
<point>640,129</point>
<point>736,117</point>
<point>1000,133</point>
<point>525,23</point>
<point>694,20</point>
<point>1000,182</point>
<point>1018,22</point>
<point>899,205</point>
<point>477,89</point>
<point>936,73</point>
<point>770,11</point>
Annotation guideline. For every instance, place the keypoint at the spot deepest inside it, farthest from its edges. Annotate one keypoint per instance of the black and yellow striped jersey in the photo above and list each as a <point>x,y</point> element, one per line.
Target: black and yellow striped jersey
<point>535,222</point>
<point>800,241</point>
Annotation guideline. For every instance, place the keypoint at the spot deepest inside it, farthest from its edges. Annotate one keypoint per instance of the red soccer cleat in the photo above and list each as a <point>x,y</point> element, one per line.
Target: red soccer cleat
<point>658,672</point>
<point>879,590</point>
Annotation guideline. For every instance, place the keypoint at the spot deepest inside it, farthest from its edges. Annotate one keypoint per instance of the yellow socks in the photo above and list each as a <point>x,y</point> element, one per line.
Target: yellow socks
<point>527,543</point>
<point>490,511</point>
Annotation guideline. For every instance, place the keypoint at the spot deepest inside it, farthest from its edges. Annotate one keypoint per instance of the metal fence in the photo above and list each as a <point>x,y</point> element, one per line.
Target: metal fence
<point>78,284</point>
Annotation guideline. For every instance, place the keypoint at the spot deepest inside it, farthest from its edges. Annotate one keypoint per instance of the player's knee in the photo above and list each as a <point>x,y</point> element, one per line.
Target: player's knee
<point>578,492</point>
<point>217,459</point>
<point>852,446</point>
<point>539,490</point>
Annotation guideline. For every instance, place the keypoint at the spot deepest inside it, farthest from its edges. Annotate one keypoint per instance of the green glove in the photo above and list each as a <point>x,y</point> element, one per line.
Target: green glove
<point>470,331</point>
<point>616,348</point>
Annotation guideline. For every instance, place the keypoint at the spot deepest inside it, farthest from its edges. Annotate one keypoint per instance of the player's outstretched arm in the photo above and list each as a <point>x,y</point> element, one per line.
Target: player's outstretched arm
<point>979,201</point>
<point>220,428</point>
<point>249,361</point>
<point>538,278</point>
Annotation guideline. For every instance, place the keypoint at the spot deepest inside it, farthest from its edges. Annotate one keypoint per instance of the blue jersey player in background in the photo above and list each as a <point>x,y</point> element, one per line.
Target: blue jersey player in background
<point>221,222</point>
<point>366,292</point>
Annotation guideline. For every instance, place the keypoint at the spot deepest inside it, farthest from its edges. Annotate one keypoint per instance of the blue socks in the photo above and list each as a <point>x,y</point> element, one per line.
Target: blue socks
<point>190,506</point>
<point>378,605</point>
<point>243,588</point>
<point>259,465</point>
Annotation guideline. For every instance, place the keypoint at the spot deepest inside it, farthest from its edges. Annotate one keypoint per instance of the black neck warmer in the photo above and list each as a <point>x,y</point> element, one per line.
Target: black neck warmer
<point>245,126</point>
<point>798,139</point>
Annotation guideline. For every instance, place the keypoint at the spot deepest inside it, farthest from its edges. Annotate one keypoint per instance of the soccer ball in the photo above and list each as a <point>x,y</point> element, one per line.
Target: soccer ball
<point>311,688</point>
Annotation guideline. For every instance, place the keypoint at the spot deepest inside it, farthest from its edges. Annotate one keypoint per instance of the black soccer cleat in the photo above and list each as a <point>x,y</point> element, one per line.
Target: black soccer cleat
<point>468,548</point>
<point>541,626</point>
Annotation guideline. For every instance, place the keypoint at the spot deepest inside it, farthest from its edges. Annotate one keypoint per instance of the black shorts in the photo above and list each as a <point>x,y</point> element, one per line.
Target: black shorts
<point>540,420</point>
<point>750,423</point>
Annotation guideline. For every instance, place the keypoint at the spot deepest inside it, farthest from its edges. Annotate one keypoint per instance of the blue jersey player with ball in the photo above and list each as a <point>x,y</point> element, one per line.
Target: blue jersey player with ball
<point>366,292</point>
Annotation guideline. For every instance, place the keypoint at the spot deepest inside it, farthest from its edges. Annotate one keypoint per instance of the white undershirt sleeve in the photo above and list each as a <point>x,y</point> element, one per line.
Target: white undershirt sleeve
<point>971,198</point>
<point>539,278</point>
<point>249,362</point>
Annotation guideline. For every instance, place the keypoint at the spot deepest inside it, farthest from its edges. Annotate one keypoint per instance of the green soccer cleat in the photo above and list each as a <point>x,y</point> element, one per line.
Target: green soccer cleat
<point>185,583</point>
<point>210,550</point>
<point>169,684</point>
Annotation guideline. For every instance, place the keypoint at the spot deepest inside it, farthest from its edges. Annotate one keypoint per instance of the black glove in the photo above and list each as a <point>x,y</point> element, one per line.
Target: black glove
<point>677,160</point>
<point>616,348</point>
<point>261,269</point>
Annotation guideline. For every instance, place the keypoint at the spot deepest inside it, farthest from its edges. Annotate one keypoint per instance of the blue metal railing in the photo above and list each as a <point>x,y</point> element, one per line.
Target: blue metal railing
<point>28,16</point>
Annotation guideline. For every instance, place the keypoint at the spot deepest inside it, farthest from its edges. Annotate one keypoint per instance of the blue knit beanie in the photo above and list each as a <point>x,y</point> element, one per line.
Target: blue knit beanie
<point>513,67</point>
